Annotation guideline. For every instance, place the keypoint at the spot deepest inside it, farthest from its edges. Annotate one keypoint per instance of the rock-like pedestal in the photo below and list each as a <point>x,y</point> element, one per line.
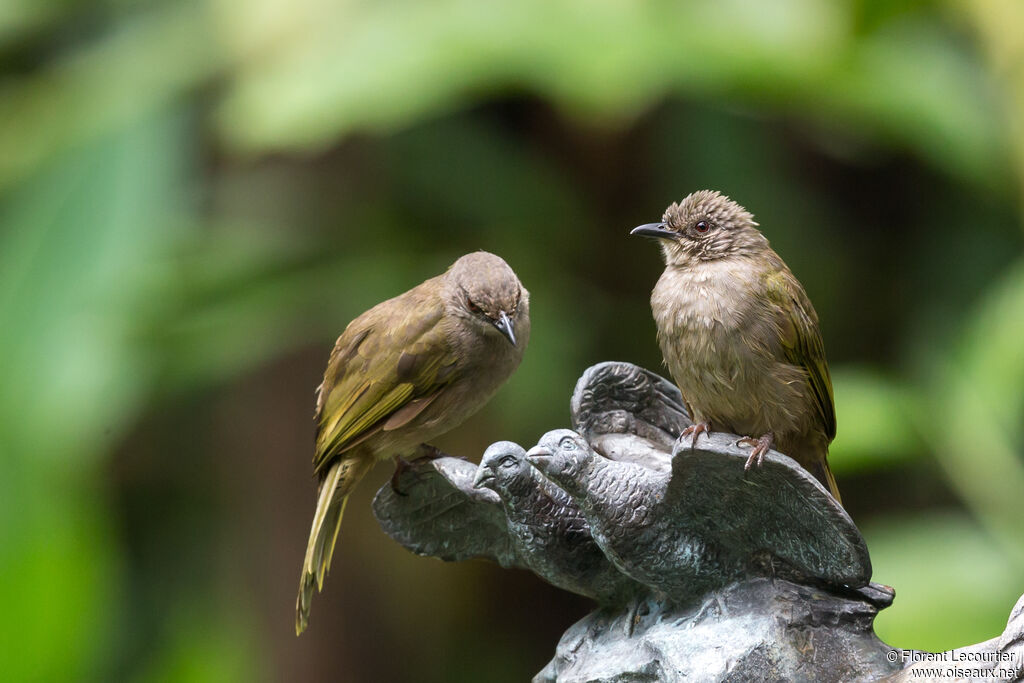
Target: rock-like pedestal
<point>756,630</point>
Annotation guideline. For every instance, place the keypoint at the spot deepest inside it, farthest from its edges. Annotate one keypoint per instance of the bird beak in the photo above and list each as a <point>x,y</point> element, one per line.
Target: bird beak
<point>483,477</point>
<point>653,230</point>
<point>538,456</point>
<point>504,325</point>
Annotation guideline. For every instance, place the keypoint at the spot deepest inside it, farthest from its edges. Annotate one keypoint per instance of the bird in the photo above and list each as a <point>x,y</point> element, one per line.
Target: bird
<point>707,523</point>
<point>739,334</point>
<point>548,528</point>
<point>438,512</point>
<point>407,370</point>
<point>502,510</point>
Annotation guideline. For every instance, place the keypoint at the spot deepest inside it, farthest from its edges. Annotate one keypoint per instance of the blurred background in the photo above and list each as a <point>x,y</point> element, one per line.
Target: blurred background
<point>196,196</point>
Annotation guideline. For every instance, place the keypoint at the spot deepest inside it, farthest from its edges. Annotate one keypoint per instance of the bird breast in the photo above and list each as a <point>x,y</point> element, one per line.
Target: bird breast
<point>721,346</point>
<point>702,313</point>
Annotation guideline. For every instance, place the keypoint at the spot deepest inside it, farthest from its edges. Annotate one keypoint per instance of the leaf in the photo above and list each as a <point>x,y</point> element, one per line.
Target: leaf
<point>877,421</point>
<point>72,278</point>
<point>954,584</point>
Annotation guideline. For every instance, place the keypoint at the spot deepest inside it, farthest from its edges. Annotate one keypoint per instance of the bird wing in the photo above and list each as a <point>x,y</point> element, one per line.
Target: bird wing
<point>801,342</point>
<point>386,368</point>
<point>438,513</point>
<point>777,508</point>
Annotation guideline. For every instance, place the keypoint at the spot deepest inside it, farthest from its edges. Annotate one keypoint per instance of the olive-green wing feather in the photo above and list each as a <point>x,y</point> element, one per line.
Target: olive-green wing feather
<point>386,367</point>
<point>801,341</point>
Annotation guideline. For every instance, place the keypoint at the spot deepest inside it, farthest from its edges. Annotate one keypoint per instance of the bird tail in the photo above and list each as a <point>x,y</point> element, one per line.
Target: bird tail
<point>825,476</point>
<point>335,488</point>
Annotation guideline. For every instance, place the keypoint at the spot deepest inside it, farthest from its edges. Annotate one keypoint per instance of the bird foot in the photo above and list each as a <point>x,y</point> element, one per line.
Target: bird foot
<point>423,452</point>
<point>761,446</point>
<point>636,611</point>
<point>428,452</point>
<point>401,467</point>
<point>695,430</point>
<point>708,609</point>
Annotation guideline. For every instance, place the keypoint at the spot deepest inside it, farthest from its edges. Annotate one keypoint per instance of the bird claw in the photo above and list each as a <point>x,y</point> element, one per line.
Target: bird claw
<point>695,430</point>
<point>423,452</point>
<point>634,613</point>
<point>428,452</point>
<point>761,446</point>
<point>401,467</point>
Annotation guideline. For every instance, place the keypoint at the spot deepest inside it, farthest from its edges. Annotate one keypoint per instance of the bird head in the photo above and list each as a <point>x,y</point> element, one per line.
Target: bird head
<point>502,467</point>
<point>705,226</point>
<point>562,456</point>
<point>485,291</point>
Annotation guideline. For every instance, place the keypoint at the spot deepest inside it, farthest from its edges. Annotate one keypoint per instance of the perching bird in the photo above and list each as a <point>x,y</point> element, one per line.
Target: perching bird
<point>406,371</point>
<point>548,529</point>
<point>705,524</point>
<point>739,335</point>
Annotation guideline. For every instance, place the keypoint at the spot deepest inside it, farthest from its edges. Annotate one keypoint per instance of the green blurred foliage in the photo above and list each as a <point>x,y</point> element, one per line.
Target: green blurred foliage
<point>197,195</point>
<point>927,556</point>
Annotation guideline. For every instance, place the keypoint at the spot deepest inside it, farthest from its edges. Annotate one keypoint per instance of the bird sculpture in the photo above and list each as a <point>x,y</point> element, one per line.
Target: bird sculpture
<point>548,529</point>
<point>707,522</point>
<point>503,511</point>
<point>628,413</point>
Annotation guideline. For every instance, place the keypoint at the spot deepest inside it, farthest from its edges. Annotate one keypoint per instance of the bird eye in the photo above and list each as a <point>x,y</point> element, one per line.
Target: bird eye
<point>507,461</point>
<point>567,444</point>
<point>472,306</point>
<point>702,226</point>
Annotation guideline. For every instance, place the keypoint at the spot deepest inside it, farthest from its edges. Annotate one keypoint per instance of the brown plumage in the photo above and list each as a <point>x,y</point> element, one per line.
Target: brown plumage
<point>406,371</point>
<point>739,335</point>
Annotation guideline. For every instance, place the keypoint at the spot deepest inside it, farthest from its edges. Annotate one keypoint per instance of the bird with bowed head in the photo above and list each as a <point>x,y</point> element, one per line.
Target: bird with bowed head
<point>409,369</point>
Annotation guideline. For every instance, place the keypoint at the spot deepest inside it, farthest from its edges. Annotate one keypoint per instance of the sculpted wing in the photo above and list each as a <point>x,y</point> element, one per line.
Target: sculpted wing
<point>386,367</point>
<point>443,516</point>
<point>801,341</point>
<point>615,402</point>
<point>777,508</point>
